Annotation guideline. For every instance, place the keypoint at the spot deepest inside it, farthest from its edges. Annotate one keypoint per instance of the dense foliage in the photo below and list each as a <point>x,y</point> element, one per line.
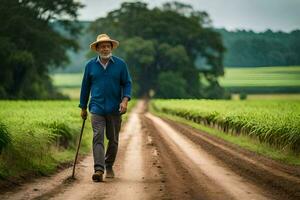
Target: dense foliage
<point>29,46</point>
<point>250,49</point>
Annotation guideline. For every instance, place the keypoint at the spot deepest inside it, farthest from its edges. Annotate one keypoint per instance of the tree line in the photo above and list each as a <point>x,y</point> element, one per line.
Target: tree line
<point>243,49</point>
<point>161,46</point>
<point>250,49</point>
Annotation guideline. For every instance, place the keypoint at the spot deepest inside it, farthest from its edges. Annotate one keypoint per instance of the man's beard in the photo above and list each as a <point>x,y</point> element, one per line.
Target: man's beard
<point>105,56</point>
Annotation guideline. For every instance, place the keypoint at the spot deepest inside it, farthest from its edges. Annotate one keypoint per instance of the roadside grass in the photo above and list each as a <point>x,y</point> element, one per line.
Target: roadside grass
<point>4,137</point>
<point>242,141</point>
<point>43,135</point>
<point>38,136</point>
<point>285,155</point>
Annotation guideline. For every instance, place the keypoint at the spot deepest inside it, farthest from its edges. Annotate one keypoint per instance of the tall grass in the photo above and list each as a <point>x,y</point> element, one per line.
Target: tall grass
<point>274,122</point>
<point>38,135</point>
<point>4,137</point>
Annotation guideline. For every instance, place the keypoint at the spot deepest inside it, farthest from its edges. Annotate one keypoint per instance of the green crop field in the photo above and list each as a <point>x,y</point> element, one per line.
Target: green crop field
<point>261,77</point>
<point>68,84</point>
<point>39,135</point>
<point>260,80</point>
<point>237,77</point>
<point>67,80</point>
<point>36,136</point>
<point>274,122</point>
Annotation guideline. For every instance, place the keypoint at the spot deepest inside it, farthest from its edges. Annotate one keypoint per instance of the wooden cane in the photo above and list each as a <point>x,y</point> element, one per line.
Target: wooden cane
<point>73,174</point>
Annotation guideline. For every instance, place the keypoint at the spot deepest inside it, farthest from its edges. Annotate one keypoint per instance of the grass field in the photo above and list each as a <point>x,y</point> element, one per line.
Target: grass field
<point>42,135</point>
<point>260,80</point>
<point>261,77</point>
<point>269,127</point>
<point>36,136</point>
<point>271,121</point>
<point>68,84</point>
<point>67,80</point>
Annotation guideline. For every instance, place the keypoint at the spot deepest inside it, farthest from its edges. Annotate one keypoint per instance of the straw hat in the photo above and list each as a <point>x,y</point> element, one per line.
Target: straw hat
<point>104,38</point>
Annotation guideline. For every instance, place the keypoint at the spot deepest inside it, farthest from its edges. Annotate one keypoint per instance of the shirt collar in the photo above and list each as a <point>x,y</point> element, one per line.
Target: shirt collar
<point>111,58</point>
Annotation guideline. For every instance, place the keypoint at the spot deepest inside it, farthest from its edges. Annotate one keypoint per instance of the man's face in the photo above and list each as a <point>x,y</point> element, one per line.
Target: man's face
<point>104,48</point>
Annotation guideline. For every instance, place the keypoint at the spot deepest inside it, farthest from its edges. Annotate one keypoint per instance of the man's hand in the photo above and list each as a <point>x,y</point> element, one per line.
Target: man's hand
<point>123,105</point>
<point>84,113</point>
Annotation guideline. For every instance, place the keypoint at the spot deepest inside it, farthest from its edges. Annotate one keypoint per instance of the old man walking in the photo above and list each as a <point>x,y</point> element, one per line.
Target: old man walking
<point>107,82</point>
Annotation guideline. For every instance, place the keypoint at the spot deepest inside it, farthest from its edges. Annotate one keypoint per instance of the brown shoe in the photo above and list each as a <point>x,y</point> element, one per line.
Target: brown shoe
<point>98,176</point>
<point>110,173</point>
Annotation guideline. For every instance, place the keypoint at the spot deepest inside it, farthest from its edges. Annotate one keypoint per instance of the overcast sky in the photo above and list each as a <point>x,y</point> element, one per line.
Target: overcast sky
<point>257,15</point>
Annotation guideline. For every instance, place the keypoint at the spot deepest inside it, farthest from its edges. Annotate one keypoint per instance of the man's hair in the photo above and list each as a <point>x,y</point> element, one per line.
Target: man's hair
<point>107,41</point>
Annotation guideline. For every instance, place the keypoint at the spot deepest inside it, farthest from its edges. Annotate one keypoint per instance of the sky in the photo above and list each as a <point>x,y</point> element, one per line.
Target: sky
<point>256,15</point>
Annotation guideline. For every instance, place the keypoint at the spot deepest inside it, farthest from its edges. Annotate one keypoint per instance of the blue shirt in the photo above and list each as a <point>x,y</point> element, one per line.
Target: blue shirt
<point>107,87</point>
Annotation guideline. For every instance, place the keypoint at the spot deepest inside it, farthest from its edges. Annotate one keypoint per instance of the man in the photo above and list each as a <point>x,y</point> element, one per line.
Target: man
<point>107,80</point>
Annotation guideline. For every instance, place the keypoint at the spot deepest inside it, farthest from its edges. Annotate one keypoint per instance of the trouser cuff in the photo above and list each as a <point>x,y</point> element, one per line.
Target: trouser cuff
<point>99,168</point>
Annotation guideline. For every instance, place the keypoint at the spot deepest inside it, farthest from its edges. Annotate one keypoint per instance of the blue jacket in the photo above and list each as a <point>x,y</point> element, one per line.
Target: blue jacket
<point>107,86</point>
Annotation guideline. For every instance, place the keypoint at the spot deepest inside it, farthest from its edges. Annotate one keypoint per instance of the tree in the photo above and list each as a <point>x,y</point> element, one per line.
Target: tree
<point>172,36</point>
<point>171,85</point>
<point>140,56</point>
<point>29,46</point>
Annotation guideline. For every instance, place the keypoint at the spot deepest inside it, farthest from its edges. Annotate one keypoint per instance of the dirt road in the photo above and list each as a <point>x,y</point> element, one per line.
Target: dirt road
<point>160,159</point>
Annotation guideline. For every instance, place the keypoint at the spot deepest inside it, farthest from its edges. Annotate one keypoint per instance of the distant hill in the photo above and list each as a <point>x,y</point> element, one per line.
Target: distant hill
<point>244,49</point>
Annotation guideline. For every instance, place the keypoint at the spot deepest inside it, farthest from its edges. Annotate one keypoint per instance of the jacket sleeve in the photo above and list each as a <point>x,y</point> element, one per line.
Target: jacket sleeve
<point>85,89</point>
<point>126,82</point>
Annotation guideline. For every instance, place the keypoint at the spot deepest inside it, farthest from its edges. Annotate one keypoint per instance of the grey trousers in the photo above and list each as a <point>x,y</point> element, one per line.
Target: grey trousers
<point>111,124</point>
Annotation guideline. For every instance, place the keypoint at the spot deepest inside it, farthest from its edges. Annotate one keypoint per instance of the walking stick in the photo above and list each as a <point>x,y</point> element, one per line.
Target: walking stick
<point>78,148</point>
